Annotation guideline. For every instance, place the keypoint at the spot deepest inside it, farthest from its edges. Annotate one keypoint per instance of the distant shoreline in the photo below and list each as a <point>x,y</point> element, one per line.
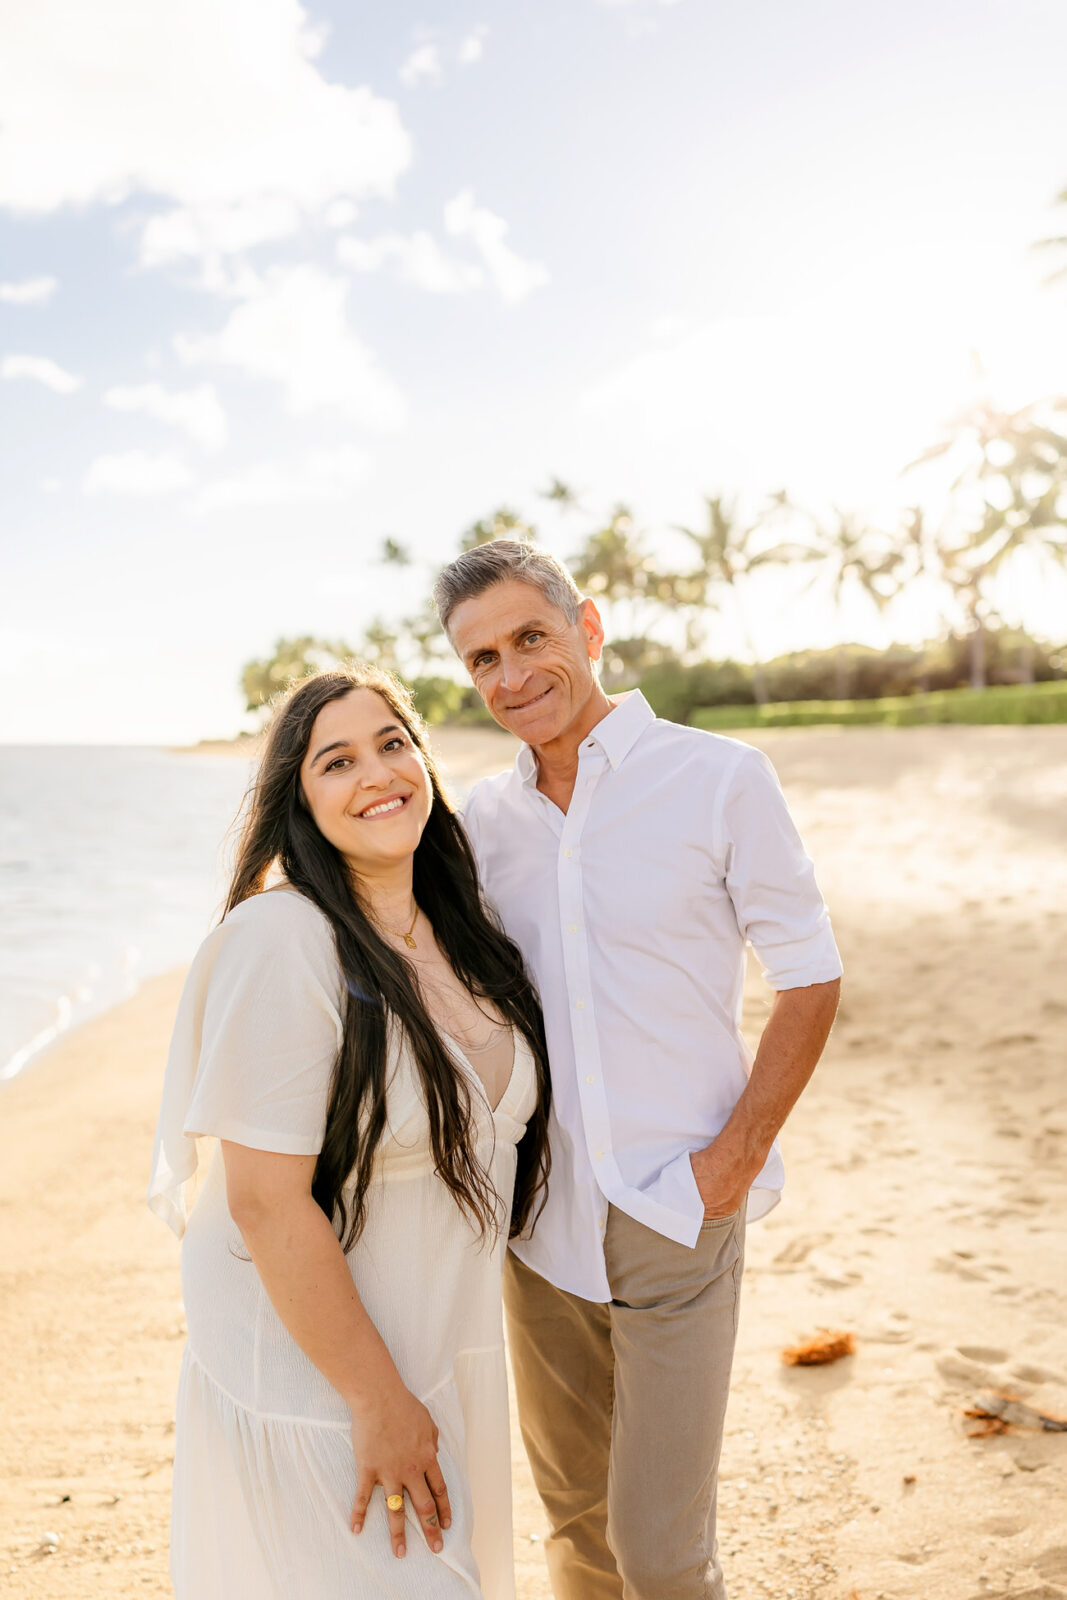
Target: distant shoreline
<point>248,745</point>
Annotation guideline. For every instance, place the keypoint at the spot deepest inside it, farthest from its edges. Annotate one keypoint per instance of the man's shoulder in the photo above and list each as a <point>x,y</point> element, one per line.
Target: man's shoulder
<point>714,751</point>
<point>486,798</point>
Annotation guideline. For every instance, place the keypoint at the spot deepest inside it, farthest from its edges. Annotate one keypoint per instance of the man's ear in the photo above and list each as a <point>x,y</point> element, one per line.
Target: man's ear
<point>590,623</point>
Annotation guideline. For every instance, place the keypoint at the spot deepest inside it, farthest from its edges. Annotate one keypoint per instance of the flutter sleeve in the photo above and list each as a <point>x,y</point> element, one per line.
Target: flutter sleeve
<point>258,1030</point>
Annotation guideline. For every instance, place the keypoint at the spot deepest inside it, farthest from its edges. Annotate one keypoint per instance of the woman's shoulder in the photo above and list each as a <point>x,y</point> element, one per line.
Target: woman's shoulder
<point>277,929</point>
<point>279,908</point>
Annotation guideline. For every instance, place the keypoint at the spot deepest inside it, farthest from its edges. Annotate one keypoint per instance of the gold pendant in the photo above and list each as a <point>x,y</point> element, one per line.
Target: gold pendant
<point>409,941</point>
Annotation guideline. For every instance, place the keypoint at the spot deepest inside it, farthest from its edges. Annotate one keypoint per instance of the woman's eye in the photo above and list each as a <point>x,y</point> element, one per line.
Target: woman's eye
<point>394,744</point>
<point>338,761</point>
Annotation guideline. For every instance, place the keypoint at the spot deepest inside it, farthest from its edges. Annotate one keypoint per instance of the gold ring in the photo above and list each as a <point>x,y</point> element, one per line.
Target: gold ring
<point>395,1502</point>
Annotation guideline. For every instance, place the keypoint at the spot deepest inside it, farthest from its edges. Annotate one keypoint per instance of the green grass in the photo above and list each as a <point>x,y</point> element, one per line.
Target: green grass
<point>1014,704</point>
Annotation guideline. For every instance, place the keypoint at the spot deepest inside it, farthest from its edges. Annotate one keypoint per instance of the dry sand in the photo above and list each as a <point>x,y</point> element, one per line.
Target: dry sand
<point>924,1212</point>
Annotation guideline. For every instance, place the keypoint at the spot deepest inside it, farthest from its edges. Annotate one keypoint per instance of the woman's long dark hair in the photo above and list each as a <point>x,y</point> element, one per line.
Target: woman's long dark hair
<point>278,829</point>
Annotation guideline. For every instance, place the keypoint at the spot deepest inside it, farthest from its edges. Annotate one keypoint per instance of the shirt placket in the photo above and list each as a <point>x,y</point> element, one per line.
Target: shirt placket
<point>576,968</point>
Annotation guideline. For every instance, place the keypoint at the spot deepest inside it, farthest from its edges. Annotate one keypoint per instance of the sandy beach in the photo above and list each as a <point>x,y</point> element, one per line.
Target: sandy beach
<point>925,1213</point>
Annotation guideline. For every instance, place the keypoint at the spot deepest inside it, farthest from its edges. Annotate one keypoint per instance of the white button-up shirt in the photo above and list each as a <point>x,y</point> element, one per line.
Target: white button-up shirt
<point>632,911</point>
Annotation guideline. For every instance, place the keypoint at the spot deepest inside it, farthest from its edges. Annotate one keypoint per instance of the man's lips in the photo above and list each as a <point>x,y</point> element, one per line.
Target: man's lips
<point>526,704</point>
<point>389,805</point>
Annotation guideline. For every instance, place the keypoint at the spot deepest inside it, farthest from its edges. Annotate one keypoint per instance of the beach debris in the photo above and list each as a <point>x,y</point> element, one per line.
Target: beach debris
<point>48,1546</point>
<point>829,1344</point>
<point>1001,1412</point>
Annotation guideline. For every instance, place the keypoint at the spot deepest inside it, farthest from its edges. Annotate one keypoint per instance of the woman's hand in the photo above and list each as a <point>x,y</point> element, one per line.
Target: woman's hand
<point>304,1271</point>
<point>394,1441</point>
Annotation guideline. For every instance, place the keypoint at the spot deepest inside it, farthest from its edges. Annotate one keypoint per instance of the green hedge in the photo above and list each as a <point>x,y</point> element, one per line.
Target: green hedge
<point>1022,703</point>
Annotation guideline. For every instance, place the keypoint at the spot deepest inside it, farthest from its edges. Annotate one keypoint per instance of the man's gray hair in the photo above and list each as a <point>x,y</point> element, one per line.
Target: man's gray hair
<point>487,564</point>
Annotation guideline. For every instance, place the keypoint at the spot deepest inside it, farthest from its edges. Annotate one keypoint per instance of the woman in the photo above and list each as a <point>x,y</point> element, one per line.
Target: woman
<point>365,1045</point>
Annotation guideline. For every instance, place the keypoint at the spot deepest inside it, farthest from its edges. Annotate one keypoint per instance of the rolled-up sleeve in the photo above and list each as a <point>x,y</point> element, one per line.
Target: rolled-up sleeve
<point>771,881</point>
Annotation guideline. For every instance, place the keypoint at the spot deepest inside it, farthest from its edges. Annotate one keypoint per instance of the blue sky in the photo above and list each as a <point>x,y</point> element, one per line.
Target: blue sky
<point>278,281</point>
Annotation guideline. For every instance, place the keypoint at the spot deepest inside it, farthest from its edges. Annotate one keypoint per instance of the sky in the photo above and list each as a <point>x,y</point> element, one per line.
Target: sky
<point>277,281</point>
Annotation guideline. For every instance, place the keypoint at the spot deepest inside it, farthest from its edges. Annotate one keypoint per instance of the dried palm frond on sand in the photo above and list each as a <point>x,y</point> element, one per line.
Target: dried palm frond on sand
<point>825,1346</point>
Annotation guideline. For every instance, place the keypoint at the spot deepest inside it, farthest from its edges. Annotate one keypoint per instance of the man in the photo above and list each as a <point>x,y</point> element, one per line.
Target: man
<point>631,859</point>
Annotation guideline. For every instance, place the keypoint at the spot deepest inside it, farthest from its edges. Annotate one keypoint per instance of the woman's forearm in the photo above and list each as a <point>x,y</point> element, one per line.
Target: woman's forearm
<point>303,1269</point>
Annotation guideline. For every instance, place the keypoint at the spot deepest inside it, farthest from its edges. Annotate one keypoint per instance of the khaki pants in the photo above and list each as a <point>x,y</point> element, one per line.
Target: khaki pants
<point>622,1407</point>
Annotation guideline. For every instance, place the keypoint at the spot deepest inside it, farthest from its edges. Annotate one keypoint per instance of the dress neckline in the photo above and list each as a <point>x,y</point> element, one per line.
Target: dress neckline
<point>519,1044</point>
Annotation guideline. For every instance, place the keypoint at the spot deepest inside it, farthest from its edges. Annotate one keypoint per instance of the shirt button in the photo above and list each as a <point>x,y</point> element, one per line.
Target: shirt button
<point>579,1005</point>
<point>599,1156</point>
<point>573,928</point>
<point>568,854</point>
<point>589,1078</point>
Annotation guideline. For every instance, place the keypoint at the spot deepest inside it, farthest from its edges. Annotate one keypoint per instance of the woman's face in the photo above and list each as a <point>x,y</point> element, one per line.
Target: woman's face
<point>365,782</point>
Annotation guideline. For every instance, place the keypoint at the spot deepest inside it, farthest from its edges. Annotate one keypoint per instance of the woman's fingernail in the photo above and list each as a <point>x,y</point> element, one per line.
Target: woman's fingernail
<point>401,1550</point>
<point>436,1546</point>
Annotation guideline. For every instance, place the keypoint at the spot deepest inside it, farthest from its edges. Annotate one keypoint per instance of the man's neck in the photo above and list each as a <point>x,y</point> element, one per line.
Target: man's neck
<point>557,761</point>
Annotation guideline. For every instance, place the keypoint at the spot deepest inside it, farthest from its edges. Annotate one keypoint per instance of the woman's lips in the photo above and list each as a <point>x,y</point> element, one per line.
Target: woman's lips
<point>389,807</point>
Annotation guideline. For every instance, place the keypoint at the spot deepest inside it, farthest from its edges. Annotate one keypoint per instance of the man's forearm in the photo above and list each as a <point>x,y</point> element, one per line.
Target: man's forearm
<point>789,1050</point>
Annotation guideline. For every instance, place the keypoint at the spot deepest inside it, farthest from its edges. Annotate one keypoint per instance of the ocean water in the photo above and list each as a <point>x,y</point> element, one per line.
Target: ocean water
<point>112,868</point>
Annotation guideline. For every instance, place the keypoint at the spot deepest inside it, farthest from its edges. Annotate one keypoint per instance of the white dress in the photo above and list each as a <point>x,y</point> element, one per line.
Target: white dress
<point>264,1476</point>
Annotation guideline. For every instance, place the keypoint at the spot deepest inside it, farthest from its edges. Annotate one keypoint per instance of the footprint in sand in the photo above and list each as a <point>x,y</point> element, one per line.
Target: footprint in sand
<point>1053,1564</point>
<point>963,1371</point>
<point>797,1250</point>
<point>960,1269</point>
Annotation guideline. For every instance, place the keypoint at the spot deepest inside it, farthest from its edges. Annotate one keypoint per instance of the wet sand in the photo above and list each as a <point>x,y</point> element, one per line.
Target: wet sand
<point>925,1212</point>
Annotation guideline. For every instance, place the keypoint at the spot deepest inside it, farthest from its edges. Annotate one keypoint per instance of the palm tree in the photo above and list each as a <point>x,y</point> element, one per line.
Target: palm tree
<point>853,559</point>
<point>561,494</point>
<point>1011,491</point>
<point>729,553</point>
<point>394,554</point>
<point>1058,244</point>
<point>613,565</point>
<point>503,523</point>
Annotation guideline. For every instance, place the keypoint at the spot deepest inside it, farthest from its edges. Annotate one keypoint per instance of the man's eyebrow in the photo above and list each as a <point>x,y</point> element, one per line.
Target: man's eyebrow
<point>535,624</point>
<point>343,744</point>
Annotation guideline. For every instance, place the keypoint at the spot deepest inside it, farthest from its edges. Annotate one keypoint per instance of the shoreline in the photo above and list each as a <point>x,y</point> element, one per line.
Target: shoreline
<point>925,1198</point>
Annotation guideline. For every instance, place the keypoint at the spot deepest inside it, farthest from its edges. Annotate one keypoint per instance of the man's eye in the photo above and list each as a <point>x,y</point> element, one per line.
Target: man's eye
<point>481,661</point>
<point>532,638</point>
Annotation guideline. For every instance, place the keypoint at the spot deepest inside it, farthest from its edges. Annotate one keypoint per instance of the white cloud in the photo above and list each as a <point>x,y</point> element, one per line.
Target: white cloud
<point>196,411</point>
<point>419,259</point>
<point>136,472</point>
<point>210,233</point>
<point>473,46</point>
<point>513,277</point>
<point>319,475</point>
<point>219,110</point>
<point>41,370</point>
<point>423,62</point>
<point>30,292</point>
<point>340,214</point>
<point>292,329</point>
<point>618,3</point>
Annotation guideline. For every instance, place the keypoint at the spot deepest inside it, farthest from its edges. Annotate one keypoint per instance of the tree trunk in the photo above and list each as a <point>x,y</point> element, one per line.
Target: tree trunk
<point>977,647</point>
<point>1026,660</point>
<point>841,674</point>
<point>759,682</point>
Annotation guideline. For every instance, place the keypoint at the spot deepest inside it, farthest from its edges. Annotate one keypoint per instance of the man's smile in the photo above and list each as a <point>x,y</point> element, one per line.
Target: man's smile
<point>526,704</point>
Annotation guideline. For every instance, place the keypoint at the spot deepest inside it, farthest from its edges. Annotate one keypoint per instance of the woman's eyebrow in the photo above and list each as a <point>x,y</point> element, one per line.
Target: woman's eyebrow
<point>343,744</point>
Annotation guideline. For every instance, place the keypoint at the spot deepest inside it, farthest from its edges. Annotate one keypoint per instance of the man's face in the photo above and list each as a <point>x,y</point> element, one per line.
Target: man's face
<point>532,667</point>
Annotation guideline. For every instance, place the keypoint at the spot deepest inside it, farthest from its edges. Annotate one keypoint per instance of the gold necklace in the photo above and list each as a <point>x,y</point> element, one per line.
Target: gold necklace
<point>407,937</point>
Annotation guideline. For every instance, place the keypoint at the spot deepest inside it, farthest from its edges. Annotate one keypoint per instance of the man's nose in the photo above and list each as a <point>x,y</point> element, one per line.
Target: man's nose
<point>513,671</point>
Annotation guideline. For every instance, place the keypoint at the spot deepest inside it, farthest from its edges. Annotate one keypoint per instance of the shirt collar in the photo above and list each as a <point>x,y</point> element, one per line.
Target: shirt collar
<point>616,734</point>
